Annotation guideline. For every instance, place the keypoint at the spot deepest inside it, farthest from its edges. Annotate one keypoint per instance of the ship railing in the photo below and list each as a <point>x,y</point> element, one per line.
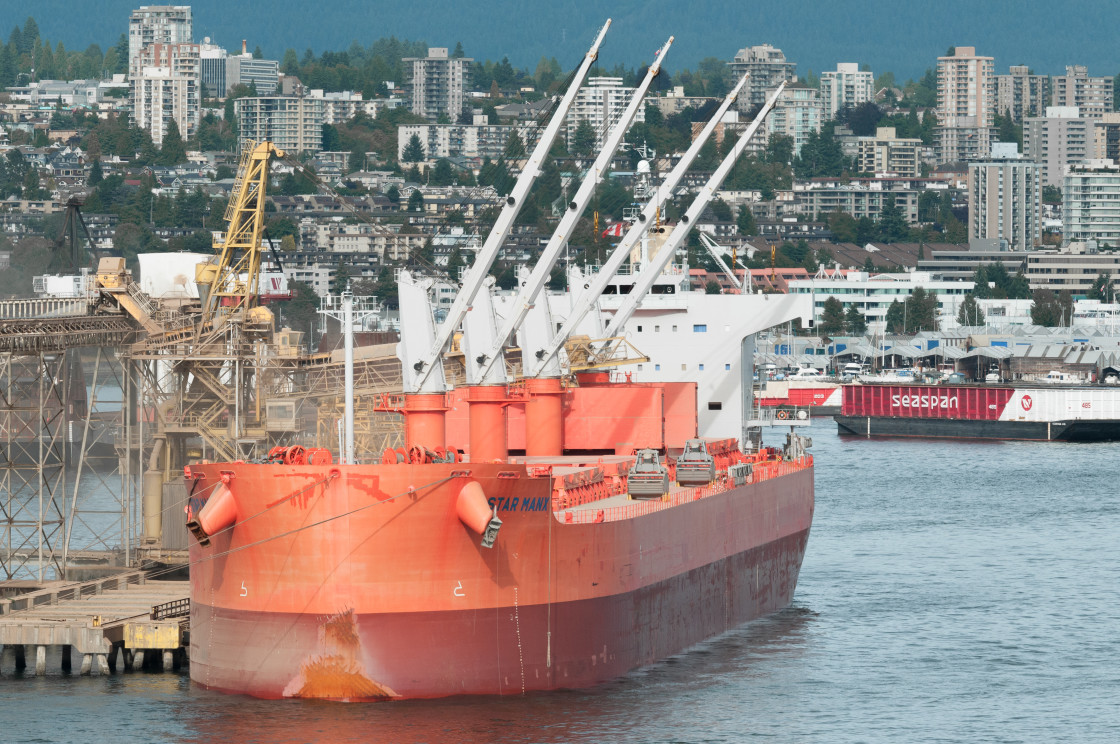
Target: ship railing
<point>762,471</point>
<point>780,416</point>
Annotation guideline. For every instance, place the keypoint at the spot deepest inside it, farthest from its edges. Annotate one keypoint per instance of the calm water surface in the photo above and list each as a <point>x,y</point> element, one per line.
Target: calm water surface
<point>951,592</point>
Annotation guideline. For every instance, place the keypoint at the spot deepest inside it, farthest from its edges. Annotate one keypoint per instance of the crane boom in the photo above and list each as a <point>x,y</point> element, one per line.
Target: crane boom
<point>713,250</point>
<point>240,251</point>
<point>594,288</point>
<point>531,288</point>
<point>485,258</point>
<point>653,269</point>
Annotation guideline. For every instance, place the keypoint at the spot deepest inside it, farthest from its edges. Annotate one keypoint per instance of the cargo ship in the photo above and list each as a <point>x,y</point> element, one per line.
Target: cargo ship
<point>455,566</point>
<point>372,582</point>
<point>1038,411</point>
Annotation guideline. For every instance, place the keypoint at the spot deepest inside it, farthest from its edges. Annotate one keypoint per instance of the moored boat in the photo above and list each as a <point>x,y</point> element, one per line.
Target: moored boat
<point>1046,412</point>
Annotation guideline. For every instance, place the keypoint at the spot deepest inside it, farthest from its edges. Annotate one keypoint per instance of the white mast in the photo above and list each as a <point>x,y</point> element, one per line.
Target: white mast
<point>417,370</point>
<point>653,269</point>
<point>594,288</point>
<point>532,286</point>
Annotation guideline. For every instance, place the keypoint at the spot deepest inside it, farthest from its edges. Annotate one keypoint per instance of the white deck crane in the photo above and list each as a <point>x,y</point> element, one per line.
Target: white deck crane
<point>653,269</point>
<point>531,287</point>
<point>714,249</point>
<point>541,358</point>
<point>418,371</point>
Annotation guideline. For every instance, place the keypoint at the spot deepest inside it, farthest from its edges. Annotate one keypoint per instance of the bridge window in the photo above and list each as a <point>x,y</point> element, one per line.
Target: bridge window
<point>700,328</point>
<point>715,406</point>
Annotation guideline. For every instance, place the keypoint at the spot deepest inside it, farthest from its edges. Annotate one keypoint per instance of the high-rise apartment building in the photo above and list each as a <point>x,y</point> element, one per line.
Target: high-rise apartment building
<point>600,103</point>
<point>797,112</point>
<point>1021,94</point>
<point>1057,141</point>
<point>1091,203</point>
<point>767,66</point>
<point>1005,198</point>
<point>1106,138</point>
<point>966,99</point>
<point>885,153</point>
<point>292,123</point>
<point>1091,95</point>
<point>156,24</point>
<point>846,87</point>
<point>166,88</point>
<point>437,84</point>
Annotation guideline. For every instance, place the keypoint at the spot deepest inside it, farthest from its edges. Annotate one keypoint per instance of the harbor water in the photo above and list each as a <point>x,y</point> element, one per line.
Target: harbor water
<point>952,592</point>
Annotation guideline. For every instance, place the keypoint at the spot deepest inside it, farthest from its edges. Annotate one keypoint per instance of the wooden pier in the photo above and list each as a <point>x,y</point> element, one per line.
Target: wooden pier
<point>118,623</point>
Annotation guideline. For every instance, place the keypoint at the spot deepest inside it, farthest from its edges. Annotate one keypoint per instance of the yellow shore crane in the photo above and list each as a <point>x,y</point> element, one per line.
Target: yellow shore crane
<point>229,282</point>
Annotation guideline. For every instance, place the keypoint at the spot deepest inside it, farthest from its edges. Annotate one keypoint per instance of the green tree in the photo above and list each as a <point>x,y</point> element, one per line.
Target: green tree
<point>416,201</point>
<point>289,65</point>
<point>843,227</point>
<point>746,222</point>
<point>896,318</point>
<point>1045,310</point>
<point>442,174</point>
<point>862,119</point>
<point>779,149</point>
<point>854,322</point>
<point>712,287</point>
<point>832,317</point>
<point>921,311</point>
<point>720,209</point>
<point>174,151</point>
<point>340,282</point>
<point>584,140</point>
<point>414,150</point>
<point>95,174</point>
<point>393,194</point>
<point>892,222</point>
<point>970,313</point>
<point>515,148</point>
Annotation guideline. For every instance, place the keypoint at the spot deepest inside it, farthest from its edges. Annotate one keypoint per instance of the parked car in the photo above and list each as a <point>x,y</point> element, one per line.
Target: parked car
<point>956,378</point>
<point>992,377</point>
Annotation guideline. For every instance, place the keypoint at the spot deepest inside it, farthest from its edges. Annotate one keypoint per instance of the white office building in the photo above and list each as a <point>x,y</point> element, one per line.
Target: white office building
<point>845,88</point>
<point>872,294</point>
<point>601,102</point>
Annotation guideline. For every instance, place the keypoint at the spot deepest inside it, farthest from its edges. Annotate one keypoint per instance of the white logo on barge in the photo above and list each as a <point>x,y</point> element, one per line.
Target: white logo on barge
<point>924,401</point>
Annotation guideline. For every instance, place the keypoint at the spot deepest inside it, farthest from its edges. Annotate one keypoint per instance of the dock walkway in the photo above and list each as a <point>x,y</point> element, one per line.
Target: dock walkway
<point>125,615</point>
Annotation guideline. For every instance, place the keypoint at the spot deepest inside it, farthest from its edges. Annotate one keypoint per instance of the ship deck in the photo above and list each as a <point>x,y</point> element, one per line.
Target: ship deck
<point>572,474</point>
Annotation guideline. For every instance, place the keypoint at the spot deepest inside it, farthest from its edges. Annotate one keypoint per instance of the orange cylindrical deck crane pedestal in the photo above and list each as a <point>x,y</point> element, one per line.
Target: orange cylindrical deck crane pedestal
<point>488,422</point>
<point>544,417</point>
<point>425,420</point>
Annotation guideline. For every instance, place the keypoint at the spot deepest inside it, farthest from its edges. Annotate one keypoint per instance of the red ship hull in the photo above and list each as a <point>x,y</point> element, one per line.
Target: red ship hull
<point>357,588</point>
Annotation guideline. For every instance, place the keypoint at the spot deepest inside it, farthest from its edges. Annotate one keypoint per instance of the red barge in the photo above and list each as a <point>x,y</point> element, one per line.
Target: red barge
<point>1040,411</point>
